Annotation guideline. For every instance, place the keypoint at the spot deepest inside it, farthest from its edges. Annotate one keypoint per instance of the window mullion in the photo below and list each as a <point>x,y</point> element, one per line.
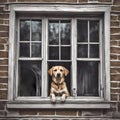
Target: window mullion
<point>88,39</point>
<point>59,40</point>
<point>74,57</point>
<point>44,56</point>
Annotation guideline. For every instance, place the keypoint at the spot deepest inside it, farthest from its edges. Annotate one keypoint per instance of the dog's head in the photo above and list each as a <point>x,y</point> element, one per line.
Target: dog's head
<point>58,72</point>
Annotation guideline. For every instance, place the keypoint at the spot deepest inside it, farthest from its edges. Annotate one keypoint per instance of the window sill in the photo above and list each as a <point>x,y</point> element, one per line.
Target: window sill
<point>69,103</point>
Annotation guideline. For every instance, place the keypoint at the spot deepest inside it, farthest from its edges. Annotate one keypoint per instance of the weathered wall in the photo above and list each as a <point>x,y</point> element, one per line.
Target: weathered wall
<point>113,112</point>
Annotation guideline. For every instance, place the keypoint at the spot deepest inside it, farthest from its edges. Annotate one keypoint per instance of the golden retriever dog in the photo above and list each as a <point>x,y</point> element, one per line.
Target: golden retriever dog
<point>58,85</point>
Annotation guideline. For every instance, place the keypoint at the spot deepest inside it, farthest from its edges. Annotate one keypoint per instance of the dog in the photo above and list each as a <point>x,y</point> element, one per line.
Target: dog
<point>58,85</point>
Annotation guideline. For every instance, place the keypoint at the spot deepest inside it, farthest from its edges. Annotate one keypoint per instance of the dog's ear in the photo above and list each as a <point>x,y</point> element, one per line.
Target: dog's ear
<point>66,71</point>
<point>50,71</point>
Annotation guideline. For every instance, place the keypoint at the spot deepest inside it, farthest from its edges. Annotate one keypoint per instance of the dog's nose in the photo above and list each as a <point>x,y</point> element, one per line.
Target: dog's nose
<point>58,75</point>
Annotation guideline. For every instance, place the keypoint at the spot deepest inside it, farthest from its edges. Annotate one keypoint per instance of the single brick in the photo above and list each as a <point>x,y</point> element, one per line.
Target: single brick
<point>115,30</point>
<point>3,94</point>
<point>3,86</point>
<point>115,24</point>
<point>116,2</point>
<point>113,17</point>
<point>115,70</point>
<point>113,57</point>
<point>3,54</point>
<point>46,112</point>
<point>66,112</point>
<point>3,34</point>
<point>114,84</point>
<point>28,112</point>
<point>4,62</point>
<point>3,68</point>
<point>114,43</point>
<point>3,73</point>
<point>115,77</point>
<point>2,105</point>
<point>1,47</point>
<point>113,97</point>
<point>3,80</point>
<point>115,63</point>
<point>115,8</point>
<point>115,50</point>
<point>4,28</point>
<point>115,37</point>
<point>117,90</point>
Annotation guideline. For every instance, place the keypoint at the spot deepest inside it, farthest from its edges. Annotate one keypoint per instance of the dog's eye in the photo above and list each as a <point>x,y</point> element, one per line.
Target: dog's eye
<point>55,70</point>
<point>61,70</point>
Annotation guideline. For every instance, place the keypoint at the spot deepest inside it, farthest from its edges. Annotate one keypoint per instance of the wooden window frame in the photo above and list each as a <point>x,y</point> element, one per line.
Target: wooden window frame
<point>44,101</point>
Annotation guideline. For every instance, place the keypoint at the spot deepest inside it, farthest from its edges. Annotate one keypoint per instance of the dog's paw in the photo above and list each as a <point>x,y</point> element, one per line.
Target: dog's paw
<point>53,98</point>
<point>63,98</point>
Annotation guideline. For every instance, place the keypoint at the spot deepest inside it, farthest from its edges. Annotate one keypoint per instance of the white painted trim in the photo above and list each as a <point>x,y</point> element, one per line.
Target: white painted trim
<point>107,52</point>
<point>46,8</point>
<point>11,56</point>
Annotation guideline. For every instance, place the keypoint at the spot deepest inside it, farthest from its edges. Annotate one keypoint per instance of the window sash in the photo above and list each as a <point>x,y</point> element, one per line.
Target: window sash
<point>74,58</point>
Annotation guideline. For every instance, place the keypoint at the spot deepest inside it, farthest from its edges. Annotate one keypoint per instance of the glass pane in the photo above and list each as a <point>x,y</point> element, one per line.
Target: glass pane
<point>82,31</point>
<point>29,78</point>
<point>94,51</point>
<point>36,50</point>
<point>94,31</point>
<point>53,32</point>
<point>36,30</point>
<point>67,65</point>
<point>24,30</point>
<point>82,51</point>
<point>65,32</point>
<point>87,78</point>
<point>65,53</point>
<point>53,53</point>
<point>24,50</point>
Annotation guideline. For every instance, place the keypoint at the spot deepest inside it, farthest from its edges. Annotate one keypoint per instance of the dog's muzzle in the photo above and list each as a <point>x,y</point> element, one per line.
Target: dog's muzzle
<point>58,76</point>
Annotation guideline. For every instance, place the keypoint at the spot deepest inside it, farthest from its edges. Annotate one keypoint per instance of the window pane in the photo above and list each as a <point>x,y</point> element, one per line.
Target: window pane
<point>94,31</point>
<point>36,50</point>
<point>24,30</point>
<point>82,51</point>
<point>53,53</point>
<point>53,32</point>
<point>94,51</point>
<point>36,30</point>
<point>65,54</point>
<point>87,78</point>
<point>29,78</point>
<point>24,50</point>
<point>82,31</point>
<point>67,78</point>
<point>65,32</point>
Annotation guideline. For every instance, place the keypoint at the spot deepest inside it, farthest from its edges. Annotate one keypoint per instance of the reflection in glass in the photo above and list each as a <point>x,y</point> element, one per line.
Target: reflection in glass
<point>29,78</point>
<point>82,51</point>
<point>24,30</point>
<point>94,51</point>
<point>36,30</point>
<point>24,50</point>
<point>53,53</point>
<point>36,50</point>
<point>87,78</point>
<point>94,31</point>
<point>65,32</point>
<point>82,31</point>
<point>53,32</point>
<point>65,54</point>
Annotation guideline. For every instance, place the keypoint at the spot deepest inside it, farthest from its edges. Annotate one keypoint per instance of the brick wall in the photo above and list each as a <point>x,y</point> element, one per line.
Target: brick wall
<point>113,112</point>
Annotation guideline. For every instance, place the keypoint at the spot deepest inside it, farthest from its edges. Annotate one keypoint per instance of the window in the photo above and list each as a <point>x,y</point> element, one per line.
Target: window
<point>76,41</point>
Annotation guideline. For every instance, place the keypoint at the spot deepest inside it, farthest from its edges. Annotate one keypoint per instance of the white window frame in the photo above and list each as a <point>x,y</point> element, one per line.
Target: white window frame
<point>44,102</point>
